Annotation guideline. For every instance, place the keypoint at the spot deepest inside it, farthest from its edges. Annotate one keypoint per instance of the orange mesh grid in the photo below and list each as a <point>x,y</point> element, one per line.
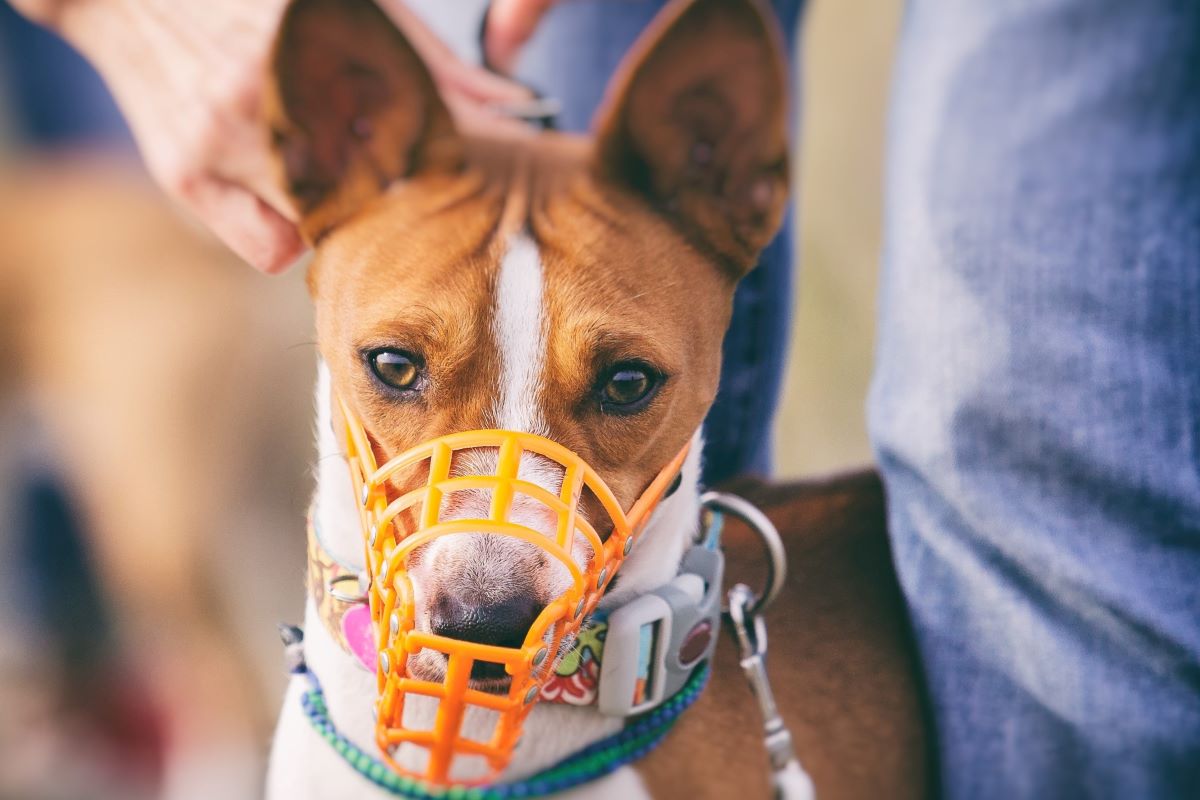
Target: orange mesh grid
<point>391,535</point>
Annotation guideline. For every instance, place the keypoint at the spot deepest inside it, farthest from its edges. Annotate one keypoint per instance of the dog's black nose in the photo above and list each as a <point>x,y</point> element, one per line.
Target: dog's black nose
<point>503,624</point>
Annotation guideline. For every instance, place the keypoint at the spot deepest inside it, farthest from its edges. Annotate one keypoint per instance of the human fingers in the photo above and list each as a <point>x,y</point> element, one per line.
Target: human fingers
<point>510,24</point>
<point>245,222</point>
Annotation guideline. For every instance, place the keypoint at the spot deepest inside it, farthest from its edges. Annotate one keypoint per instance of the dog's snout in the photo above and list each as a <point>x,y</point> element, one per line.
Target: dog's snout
<point>503,624</point>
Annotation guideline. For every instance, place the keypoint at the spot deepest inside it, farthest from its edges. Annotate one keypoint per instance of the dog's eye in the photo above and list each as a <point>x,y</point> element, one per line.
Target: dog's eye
<point>397,369</point>
<point>627,388</point>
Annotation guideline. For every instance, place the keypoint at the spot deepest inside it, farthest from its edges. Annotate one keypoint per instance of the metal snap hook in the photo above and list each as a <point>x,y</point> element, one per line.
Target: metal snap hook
<point>787,774</point>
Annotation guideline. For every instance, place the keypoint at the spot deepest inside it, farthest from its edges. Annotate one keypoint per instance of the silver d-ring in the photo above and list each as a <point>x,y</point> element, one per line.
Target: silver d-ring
<point>748,513</point>
<point>338,593</point>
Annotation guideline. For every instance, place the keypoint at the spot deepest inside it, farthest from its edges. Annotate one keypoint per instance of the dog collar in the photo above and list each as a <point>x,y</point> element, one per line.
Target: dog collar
<point>647,660</point>
<point>629,744</point>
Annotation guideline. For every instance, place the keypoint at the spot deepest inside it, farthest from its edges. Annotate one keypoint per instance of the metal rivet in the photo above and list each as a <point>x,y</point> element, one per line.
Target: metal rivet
<point>628,545</point>
<point>385,663</point>
<point>394,623</point>
<point>602,578</point>
<point>579,608</point>
<point>366,494</point>
<point>540,656</point>
<point>532,694</point>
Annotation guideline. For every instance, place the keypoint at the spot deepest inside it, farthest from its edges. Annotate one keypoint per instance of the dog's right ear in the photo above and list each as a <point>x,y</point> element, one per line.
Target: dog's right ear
<point>350,108</point>
<point>695,121</point>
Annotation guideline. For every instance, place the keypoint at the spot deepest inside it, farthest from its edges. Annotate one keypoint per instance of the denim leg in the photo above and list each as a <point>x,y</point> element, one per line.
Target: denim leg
<point>571,57</point>
<point>1036,402</point>
<point>737,431</point>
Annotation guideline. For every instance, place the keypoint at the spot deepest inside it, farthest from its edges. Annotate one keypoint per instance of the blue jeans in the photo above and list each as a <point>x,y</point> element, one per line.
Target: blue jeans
<point>1036,403</point>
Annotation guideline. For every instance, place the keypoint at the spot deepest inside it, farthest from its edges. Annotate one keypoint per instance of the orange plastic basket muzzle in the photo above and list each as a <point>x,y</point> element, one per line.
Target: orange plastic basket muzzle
<point>395,527</point>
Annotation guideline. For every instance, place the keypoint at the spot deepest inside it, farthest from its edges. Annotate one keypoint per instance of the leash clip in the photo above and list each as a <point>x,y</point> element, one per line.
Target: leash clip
<point>751,634</point>
<point>788,778</point>
<point>745,613</point>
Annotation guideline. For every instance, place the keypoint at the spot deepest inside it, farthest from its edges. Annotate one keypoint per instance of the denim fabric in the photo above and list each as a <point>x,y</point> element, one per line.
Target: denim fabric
<point>52,96</point>
<point>1036,403</point>
<point>571,57</point>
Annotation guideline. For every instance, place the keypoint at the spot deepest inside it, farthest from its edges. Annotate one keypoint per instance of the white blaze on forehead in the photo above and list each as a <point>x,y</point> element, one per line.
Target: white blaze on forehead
<point>520,330</point>
<point>518,323</point>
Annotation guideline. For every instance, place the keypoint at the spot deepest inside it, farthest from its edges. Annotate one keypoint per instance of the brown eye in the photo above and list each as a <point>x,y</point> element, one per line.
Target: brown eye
<point>397,369</point>
<point>627,388</point>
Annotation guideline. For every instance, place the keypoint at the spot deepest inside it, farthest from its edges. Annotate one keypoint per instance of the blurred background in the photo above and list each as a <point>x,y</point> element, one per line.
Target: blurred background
<point>155,403</point>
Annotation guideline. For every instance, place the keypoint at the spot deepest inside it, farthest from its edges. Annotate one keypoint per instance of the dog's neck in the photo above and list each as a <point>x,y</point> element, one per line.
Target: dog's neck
<point>552,732</point>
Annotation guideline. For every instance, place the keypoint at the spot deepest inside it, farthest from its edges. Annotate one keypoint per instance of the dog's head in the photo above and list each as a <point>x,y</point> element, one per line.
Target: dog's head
<point>577,288</point>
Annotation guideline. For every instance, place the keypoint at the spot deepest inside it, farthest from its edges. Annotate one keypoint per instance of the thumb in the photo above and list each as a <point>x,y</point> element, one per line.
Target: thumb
<point>246,224</point>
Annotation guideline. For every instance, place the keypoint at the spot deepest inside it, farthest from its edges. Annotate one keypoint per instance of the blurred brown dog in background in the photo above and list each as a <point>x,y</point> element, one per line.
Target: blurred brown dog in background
<point>166,385</point>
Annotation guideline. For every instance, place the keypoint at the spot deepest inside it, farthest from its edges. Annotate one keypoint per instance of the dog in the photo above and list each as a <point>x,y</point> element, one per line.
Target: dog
<point>578,289</point>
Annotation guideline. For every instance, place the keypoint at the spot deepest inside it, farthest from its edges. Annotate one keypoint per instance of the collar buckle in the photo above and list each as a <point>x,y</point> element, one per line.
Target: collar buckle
<point>654,643</point>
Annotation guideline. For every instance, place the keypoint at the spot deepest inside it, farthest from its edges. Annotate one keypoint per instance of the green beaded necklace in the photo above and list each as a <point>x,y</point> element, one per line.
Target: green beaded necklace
<point>641,735</point>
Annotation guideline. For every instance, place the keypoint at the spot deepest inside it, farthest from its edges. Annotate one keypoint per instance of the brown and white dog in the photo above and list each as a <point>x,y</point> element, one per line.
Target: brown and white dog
<point>577,288</point>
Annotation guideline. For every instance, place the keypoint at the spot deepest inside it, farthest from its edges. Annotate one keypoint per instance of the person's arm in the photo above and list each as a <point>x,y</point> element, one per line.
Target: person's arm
<point>187,77</point>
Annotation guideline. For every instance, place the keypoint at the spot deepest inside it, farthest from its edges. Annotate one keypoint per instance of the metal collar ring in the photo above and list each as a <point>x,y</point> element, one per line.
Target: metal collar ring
<point>762,527</point>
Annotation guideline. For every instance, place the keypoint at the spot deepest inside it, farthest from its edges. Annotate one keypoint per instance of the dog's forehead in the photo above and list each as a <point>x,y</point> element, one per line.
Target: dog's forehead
<point>436,246</point>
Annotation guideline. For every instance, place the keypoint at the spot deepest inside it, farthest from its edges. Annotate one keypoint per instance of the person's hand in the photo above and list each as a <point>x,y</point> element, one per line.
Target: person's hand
<point>510,23</point>
<point>188,77</point>
<point>473,94</point>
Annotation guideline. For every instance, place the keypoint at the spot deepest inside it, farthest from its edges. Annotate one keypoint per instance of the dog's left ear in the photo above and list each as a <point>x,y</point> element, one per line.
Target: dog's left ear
<point>351,107</point>
<point>696,122</point>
